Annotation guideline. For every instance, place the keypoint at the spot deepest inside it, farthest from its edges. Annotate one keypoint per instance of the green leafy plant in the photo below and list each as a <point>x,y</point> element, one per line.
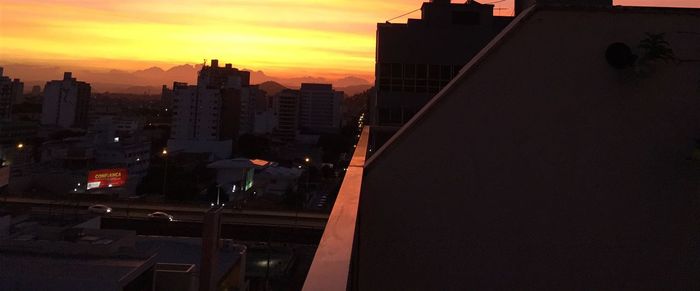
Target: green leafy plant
<point>655,47</point>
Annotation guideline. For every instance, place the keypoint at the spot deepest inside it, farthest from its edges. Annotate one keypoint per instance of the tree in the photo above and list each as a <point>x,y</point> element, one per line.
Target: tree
<point>656,47</point>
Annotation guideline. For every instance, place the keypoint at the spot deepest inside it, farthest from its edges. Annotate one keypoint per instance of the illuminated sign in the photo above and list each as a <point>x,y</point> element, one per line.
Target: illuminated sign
<point>4,176</point>
<point>249,180</point>
<point>108,178</point>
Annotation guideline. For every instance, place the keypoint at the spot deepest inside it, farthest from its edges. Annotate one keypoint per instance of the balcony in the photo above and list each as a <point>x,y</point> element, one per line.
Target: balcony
<point>331,267</point>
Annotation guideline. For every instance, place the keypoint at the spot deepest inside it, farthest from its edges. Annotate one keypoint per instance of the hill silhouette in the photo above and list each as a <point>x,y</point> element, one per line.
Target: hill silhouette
<point>151,79</point>
<point>272,87</point>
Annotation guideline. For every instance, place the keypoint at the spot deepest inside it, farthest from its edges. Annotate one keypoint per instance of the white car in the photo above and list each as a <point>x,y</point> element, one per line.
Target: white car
<point>100,209</point>
<point>160,216</point>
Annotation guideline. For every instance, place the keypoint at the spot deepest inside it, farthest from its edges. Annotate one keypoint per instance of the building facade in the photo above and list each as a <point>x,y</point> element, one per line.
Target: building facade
<point>319,108</point>
<point>11,92</point>
<point>446,37</point>
<point>209,114</point>
<point>66,103</point>
<point>120,143</point>
<point>16,132</point>
<point>286,110</point>
<point>311,110</point>
<point>579,174</point>
<point>251,98</point>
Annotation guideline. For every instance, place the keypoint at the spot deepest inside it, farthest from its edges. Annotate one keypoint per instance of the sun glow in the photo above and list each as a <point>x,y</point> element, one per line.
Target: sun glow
<point>283,37</point>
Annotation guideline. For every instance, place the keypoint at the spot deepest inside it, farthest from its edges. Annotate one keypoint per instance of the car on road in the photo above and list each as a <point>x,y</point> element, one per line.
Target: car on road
<point>158,215</point>
<point>100,209</point>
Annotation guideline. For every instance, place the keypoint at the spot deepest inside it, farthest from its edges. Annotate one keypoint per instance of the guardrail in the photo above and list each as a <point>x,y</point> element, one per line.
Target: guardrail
<point>330,269</point>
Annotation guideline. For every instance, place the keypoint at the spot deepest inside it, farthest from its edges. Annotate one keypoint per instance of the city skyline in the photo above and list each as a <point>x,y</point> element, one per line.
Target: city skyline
<point>331,39</point>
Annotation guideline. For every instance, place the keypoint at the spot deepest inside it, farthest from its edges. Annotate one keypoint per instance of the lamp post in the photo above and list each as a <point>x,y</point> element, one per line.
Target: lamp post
<point>165,173</point>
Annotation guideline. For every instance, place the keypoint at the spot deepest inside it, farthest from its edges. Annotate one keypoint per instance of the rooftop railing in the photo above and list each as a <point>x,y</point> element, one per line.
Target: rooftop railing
<point>330,269</point>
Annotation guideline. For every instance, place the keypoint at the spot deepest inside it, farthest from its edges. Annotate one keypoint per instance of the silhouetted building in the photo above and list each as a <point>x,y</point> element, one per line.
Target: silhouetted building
<point>16,132</point>
<point>66,103</point>
<point>11,92</point>
<point>36,90</point>
<point>313,109</point>
<point>63,256</point>
<point>120,143</point>
<point>286,110</point>
<point>520,5</point>
<point>206,117</point>
<point>417,59</point>
<point>251,98</point>
<point>319,109</point>
<point>166,98</point>
<point>560,158</point>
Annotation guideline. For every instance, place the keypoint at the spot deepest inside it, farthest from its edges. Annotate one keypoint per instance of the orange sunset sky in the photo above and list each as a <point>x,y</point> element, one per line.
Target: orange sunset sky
<point>330,38</point>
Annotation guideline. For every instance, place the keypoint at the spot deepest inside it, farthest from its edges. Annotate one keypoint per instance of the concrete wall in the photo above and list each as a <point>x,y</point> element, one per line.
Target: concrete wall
<point>544,168</point>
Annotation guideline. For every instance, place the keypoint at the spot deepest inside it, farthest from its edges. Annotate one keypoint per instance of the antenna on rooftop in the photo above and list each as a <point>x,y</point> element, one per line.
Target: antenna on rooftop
<point>402,15</point>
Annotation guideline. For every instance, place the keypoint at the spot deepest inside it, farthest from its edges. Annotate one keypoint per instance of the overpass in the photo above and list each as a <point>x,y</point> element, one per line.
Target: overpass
<point>138,211</point>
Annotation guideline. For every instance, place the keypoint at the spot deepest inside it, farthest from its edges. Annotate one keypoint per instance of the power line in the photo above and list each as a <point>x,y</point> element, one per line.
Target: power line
<point>402,15</point>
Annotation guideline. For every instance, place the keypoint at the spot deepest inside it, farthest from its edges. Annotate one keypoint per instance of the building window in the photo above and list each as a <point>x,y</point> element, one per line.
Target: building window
<point>396,71</point>
<point>409,71</point>
<point>384,70</point>
<point>446,73</point>
<point>434,72</point>
<point>421,71</point>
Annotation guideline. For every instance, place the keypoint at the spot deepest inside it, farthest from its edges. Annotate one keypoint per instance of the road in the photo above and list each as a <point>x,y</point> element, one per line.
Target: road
<point>185,213</point>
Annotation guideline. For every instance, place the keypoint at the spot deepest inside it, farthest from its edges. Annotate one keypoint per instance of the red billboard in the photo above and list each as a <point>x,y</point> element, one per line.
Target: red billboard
<point>107,178</point>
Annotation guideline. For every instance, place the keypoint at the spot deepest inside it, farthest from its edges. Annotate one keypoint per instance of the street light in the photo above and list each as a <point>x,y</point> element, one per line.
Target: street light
<point>307,159</point>
<point>20,145</point>
<point>165,174</point>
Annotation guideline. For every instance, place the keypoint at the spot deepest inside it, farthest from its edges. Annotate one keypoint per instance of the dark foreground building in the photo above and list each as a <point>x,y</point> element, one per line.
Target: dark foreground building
<point>417,59</point>
<point>564,156</point>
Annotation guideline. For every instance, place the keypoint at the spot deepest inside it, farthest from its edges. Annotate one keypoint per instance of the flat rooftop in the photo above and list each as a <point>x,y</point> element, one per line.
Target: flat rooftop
<point>23,271</point>
<point>186,250</point>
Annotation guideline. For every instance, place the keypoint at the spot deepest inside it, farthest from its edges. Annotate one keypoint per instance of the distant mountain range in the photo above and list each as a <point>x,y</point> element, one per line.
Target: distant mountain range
<point>272,88</point>
<point>151,80</point>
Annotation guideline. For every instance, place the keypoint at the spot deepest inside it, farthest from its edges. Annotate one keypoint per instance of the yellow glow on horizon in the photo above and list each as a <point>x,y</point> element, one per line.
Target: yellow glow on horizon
<point>282,37</point>
<point>279,36</point>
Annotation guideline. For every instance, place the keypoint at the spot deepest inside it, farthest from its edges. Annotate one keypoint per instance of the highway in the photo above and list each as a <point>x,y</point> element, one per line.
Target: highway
<point>124,211</point>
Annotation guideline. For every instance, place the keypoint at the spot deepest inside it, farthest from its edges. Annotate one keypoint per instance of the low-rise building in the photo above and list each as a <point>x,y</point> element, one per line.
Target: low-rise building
<point>85,257</point>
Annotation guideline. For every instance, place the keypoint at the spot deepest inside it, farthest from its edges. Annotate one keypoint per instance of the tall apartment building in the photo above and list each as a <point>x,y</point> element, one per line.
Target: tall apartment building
<point>313,109</point>
<point>446,37</point>
<point>10,93</point>
<point>251,98</point>
<point>208,114</point>
<point>319,108</point>
<point>66,103</point>
<point>286,109</point>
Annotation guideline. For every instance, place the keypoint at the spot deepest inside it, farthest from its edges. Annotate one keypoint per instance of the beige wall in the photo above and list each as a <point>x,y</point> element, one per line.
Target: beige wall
<point>545,168</point>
